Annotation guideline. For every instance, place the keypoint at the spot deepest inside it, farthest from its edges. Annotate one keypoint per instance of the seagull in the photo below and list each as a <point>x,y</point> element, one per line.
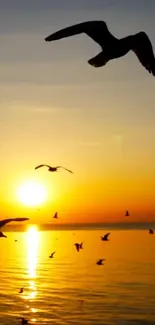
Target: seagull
<point>78,246</point>
<point>24,321</point>
<point>105,237</point>
<point>112,47</point>
<point>53,169</point>
<point>2,235</point>
<point>151,231</point>
<point>51,256</point>
<point>81,246</point>
<point>21,290</point>
<point>5,221</point>
<point>127,214</point>
<point>55,215</point>
<point>99,262</point>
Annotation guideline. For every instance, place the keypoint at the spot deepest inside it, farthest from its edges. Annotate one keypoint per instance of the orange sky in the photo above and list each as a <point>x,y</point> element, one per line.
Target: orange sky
<point>58,110</point>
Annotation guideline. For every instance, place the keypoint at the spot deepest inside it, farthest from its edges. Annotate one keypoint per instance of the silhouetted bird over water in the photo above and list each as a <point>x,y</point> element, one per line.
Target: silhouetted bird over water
<point>55,215</point>
<point>127,214</point>
<point>52,255</point>
<point>112,47</point>
<point>2,235</point>
<point>100,262</point>
<point>5,221</point>
<point>78,246</point>
<point>105,237</point>
<point>21,290</point>
<point>151,231</point>
<point>53,169</point>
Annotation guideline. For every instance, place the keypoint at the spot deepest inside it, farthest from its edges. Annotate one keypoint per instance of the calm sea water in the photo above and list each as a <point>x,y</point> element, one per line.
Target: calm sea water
<point>71,288</point>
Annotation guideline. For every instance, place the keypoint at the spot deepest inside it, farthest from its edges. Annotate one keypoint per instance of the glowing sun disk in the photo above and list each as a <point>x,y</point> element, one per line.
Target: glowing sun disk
<point>32,193</point>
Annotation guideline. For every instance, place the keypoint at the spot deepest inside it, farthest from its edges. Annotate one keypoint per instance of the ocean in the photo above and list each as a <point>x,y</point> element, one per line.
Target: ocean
<point>71,288</point>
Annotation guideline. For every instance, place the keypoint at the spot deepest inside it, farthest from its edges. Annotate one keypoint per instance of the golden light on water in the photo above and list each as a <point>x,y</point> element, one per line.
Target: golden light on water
<point>32,238</point>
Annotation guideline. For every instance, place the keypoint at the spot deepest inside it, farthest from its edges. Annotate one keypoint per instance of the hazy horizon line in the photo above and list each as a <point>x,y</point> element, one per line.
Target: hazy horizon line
<point>83,226</point>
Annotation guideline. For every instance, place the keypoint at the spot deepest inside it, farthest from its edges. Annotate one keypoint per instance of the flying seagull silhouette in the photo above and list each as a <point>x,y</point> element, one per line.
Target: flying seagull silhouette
<point>151,231</point>
<point>5,221</point>
<point>127,214</point>
<point>21,290</point>
<point>53,169</point>
<point>112,47</point>
<point>2,235</point>
<point>78,246</point>
<point>105,237</point>
<point>52,254</point>
<point>100,262</point>
<point>55,215</point>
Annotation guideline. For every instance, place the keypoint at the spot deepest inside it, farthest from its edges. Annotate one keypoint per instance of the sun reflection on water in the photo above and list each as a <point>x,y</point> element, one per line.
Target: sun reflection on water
<point>32,238</point>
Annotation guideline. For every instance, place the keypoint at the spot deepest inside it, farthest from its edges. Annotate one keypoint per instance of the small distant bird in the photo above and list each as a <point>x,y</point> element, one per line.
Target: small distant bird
<point>52,255</point>
<point>2,235</point>
<point>78,246</point>
<point>127,214</point>
<point>24,321</point>
<point>105,237</point>
<point>16,240</point>
<point>112,47</point>
<point>21,290</point>
<point>55,215</point>
<point>151,231</point>
<point>53,169</point>
<point>100,262</point>
<point>81,246</point>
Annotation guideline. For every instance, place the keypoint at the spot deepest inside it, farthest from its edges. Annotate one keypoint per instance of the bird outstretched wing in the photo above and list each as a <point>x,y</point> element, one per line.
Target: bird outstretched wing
<point>68,170</point>
<point>142,47</point>
<point>106,235</point>
<point>42,166</point>
<point>3,222</point>
<point>97,30</point>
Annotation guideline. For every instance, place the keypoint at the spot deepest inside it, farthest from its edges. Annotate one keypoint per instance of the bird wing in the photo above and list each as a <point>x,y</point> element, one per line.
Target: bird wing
<point>68,170</point>
<point>142,47</point>
<point>55,215</point>
<point>77,247</point>
<point>3,222</point>
<point>52,254</point>
<point>106,235</point>
<point>97,30</point>
<point>42,166</point>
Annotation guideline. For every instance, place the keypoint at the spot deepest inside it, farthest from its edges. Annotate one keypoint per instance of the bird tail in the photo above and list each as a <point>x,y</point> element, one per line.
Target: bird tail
<point>98,61</point>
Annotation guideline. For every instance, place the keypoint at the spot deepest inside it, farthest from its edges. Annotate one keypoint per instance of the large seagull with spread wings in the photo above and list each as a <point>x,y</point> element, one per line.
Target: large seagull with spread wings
<point>53,169</point>
<point>112,47</point>
<point>5,221</point>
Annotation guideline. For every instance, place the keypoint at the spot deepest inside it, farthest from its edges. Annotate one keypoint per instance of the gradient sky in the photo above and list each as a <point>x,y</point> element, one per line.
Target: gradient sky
<point>57,109</point>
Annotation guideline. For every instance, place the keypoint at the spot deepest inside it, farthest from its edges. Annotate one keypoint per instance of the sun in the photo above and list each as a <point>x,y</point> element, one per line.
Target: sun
<point>32,193</point>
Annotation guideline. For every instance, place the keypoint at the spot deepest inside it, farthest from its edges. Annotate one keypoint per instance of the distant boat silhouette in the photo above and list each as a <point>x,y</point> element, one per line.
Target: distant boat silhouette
<point>53,169</point>
<point>105,237</point>
<point>151,231</point>
<point>112,47</point>
<point>127,214</point>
